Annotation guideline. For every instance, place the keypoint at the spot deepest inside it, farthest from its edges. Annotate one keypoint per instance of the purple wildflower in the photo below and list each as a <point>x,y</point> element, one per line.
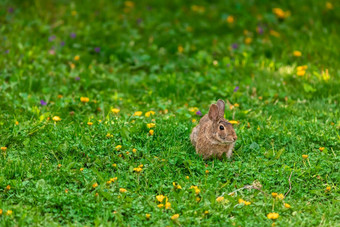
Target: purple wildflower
<point>73,35</point>
<point>10,10</point>
<point>43,103</point>
<point>199,113</point>
<point>259,30</point>
<point>51,38</point>
<point>97,49</point>
<point>236,88</point>
<point>77,78</point>
<point>62,43</point>
<point>7,51</point>
<point>234,46</point>
<point>139,21</point>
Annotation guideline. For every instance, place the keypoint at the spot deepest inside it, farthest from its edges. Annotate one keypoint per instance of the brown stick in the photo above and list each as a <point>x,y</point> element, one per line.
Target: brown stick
<point>290,184</point>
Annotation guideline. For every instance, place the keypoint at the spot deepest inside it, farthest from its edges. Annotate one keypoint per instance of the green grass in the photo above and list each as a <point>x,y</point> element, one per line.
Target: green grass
<point>141,67</point>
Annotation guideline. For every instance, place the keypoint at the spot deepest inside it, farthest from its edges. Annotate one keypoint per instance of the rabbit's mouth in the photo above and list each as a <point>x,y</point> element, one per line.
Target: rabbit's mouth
<point>227,142</point>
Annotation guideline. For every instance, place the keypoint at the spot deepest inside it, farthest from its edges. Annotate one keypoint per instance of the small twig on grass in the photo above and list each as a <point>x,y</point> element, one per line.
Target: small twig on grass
<point>333,152</point>
<point>290,183</point>
<point>256,185</point>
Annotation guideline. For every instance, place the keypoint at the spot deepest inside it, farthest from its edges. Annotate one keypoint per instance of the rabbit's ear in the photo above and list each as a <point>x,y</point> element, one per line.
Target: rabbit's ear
<point>213,112</point>
<point>221,108</point>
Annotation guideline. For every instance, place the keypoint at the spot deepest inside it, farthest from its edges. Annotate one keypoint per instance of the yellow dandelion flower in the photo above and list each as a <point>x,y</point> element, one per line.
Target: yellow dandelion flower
<point>280,196</point>
<point>151,132</point>
<point>304,156</point>
<point>297,53</point>
<point>138,170</point>
<point>118,147</point>
<point>76,58</point>
<point>17,123</point>
<point>147,216</point>
<point>180,49</point>
<point>230,19</point>
<point>301,73</point>
<point>114,165</point>
<point>233,122</point>
<point>160,205</point>
<point>0,211</point>
<point>108,135</point>
<point>248,40</point>
<point>138,113</point>
<point>149,113</point>
<point>74,13</point>
<point>247,203</point>
<point>274,194</point>
<point>8,187</point>
<point>167,205</point>
<point>113,179</point>
<point>321,148</point>
<point>274,33</point>
<point>59,165</point>
<point>236,105</point>
<point>206,212</point>
<point>60,96</point>
<point>193,120</point>
<point>122,190</point>
<point>302,67</point>
<point>129,4</point>
<point>151,125</point>
<point>329,5</point>
<point>325,75</point>
<point>273,216</point>
<point>328,188</point>
<point>187,177</point>
<point>141,165</point>
<point>3,148</point>
<point>89,123</point>
<point>207,171</point>
<point>95,185</point>
<point>220,199</point>
<point>193,109</point>
<point>66,190</point>
<point>287,205</point>
<point>84,99</point>
<point>115,110</point>
<point>81,169</point>
<point>134,150</point>
<point>280,13</point>
<point>9,212</point>
<point>175,216</point>
<point>197,190</point>
<point>160,198</point>
<point>56,118</point>
<point>176,186</point>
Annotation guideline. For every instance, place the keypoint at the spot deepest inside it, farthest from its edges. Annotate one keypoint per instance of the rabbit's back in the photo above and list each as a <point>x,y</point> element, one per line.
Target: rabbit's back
<point>196,130</point>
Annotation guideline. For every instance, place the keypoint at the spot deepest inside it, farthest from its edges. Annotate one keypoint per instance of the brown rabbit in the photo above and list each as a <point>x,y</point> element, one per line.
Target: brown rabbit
<point>214,136</point>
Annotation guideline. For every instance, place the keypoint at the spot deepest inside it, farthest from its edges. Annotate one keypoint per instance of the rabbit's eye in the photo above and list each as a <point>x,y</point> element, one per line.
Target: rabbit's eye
<point>221,127</point>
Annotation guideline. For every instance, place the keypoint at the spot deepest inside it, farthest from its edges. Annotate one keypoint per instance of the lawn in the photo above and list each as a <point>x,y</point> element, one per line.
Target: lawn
<point>98,99</point>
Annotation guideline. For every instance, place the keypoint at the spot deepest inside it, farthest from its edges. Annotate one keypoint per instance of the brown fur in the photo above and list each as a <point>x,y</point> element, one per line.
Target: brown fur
<point>207,137</point>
